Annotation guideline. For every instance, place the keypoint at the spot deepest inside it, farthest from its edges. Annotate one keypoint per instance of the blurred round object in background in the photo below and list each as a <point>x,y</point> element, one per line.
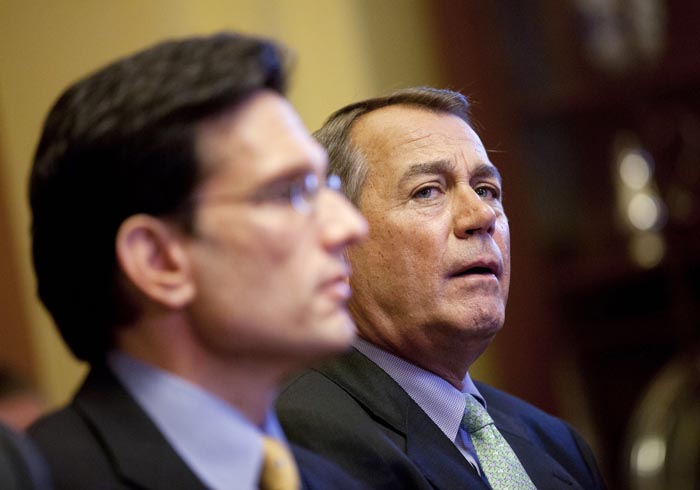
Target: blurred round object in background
<point>663,439</point>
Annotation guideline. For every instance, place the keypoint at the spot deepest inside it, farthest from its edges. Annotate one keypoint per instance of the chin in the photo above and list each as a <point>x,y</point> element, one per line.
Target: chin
<point>486,331</point>
<point>329,335</point>
<point>486,314</point>
<point>484,325</point>
<point>339,334</point>
<point>316,353</point>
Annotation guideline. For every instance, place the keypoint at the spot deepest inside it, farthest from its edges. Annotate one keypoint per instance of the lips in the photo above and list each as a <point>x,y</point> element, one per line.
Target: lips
<point>338,285</point>
<point>480,267</point>
<point>337,289</point>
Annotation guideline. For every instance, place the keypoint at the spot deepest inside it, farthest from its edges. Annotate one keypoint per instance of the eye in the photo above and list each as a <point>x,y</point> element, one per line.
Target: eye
<point>427,192</point>
<point>279,192</point>
<point>488,192</point>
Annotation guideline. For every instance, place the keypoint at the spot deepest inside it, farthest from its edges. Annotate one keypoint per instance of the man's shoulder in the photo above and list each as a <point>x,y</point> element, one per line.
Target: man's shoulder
<point>319,473</point>
<point>518,419</point>
<point>66,431</point>
<point>71,449</point>
<point>351,385</point>
<point>103,439</point>
<point>328,419</point>
<point>60,431</point>
<point>336,377</point>
<point>316,395</point>
<point>503,404</point>
<point>308,382</point>
<point>21,467</point>
<point>502,399</point>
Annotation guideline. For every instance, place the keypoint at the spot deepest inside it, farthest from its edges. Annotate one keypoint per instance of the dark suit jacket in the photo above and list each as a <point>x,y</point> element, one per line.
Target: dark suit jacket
<point>103,440</point>
<point>352,412</point>
<point>21,467</point>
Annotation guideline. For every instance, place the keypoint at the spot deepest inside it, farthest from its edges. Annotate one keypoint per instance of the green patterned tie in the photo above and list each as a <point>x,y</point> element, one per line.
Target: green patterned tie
<point>499,462</point>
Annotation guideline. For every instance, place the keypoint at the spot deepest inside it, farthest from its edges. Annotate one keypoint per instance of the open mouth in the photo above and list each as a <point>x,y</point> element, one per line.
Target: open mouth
<point>477,270</point>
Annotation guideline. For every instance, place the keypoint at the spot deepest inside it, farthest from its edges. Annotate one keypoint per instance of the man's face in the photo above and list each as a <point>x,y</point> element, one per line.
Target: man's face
<point>436,266</point>
<point>271,280</point>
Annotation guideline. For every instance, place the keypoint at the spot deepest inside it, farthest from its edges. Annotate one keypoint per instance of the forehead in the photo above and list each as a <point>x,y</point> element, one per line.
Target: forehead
<point>402,135</point>
<point>259,138</point>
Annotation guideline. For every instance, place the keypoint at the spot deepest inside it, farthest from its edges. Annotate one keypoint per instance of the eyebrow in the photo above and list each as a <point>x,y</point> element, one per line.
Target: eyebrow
<point>483,170</point>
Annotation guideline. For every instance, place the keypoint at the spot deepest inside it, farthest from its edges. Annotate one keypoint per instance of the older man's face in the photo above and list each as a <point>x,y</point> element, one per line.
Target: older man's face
<point>437,262</point>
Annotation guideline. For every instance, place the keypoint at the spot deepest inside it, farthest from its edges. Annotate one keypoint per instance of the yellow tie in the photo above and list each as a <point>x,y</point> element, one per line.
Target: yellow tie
<point>279,472</point>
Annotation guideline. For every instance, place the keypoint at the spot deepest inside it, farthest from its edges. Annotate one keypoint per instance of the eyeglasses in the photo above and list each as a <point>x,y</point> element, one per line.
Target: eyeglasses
<point>299,191</point>
<point>303,193</point>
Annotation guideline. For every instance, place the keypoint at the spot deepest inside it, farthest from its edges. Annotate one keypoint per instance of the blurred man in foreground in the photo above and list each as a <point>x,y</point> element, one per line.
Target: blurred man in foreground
<point>21,468</point>
<point>20,403</point>
<point>430,287</point>
<point>188,248</point>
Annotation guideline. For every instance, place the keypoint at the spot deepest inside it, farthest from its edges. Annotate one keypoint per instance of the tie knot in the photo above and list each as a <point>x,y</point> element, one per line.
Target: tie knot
<point>475,415</point>
<point>279,472</point>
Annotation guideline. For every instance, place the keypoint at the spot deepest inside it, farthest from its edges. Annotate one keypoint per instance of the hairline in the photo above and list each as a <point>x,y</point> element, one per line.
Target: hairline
<point>359,163</point>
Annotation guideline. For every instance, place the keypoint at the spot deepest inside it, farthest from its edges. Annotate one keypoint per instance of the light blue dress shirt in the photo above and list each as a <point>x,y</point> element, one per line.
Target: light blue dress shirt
<point>217,442</point>
<point>441,401</point>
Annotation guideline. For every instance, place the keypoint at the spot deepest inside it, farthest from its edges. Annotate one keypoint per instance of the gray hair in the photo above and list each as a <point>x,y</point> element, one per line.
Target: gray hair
<point>346,160</point>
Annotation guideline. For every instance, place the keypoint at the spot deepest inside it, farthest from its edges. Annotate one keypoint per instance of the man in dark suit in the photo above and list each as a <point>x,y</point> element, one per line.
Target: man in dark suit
<point>430,287</point>
<point>188,247</point>
<point>21,468</point>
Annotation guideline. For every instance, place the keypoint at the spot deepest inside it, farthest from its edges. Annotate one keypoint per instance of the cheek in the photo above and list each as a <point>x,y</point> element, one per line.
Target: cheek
<point>371,260</point>
<point>503,241</point>
<point>250,260</point>
<point>502,237</point>
<point>290,260</point>
<point>273,243</point>
<point>421,241</point>
<point>397,251</point>
<point>375,251</point>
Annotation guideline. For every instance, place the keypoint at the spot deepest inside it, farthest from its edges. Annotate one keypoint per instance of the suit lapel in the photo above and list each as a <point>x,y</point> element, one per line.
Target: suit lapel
<point>437,457</point>
<point>427,447</point>
<point>545,472</point>
<point>137,449</point>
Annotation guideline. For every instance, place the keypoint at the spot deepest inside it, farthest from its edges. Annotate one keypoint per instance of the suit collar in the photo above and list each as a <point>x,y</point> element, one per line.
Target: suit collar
<point>139,452</point>
<point>437,397</point>
<point>437,457</point>
<point>544,471</point>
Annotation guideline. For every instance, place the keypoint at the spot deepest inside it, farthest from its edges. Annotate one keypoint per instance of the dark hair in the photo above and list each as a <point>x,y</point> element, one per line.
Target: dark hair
<point>346,160</point>
<point>120,142</point>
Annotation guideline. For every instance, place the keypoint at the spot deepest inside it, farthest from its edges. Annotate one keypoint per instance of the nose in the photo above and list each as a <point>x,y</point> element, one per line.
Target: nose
<point>472,215</point>
<point>341,223</point>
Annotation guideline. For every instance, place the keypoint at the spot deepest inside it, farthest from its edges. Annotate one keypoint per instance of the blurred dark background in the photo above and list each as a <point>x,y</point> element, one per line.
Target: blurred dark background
<point>592,112</point>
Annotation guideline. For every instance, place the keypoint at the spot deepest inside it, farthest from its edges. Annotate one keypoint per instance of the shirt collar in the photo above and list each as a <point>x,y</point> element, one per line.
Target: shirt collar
<point>440,400</point>
<point>216,441</point>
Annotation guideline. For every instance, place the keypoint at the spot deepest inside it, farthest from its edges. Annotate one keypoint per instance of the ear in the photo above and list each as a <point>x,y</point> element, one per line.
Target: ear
<point>153,257</point>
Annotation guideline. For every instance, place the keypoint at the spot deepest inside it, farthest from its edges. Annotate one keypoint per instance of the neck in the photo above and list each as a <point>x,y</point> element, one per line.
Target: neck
<point>248,385</point>
<point>450,359</point>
